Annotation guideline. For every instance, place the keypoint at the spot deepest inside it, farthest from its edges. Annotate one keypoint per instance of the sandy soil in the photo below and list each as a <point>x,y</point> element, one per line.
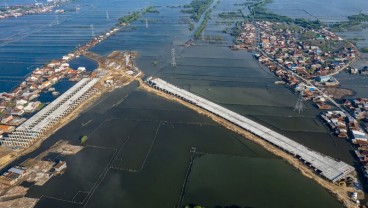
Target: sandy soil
<point>68,149</point>
<point>16,191</point>
<point>339,192</point>
<point>19,203</point>
<point>3,188</point>
<point>338,93</point>
<point>122,79</point>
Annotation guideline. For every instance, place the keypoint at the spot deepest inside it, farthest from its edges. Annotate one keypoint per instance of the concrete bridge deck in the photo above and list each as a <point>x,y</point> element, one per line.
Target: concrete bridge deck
<point>327,167</point>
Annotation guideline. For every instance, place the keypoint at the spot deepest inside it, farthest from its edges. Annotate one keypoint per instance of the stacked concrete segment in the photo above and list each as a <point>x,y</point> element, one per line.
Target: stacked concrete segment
<point>49,116</point>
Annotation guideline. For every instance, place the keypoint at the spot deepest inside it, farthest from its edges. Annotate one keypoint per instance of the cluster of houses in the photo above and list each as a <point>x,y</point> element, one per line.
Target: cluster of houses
<point>15,105</point>
<point>359,109</point>
<point>17,11</point>
<point>37,8</point>
<point>346,126</point>
<point>17,174</point>
<point>13,175</point>
<point>320,103</point>
<point>328,35</point>
<point>362,71</point>
<point>284,52</point>
<point>23,99</point>
<point>336,121</point>
<point>294,83</point>
<point>82,49</point>
<point>246,39</point>
<point>303,57</point>
<point>362,154</point>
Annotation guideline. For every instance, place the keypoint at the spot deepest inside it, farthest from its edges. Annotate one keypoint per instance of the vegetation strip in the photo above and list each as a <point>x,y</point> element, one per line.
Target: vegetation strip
<point>196,8</point>
<point>258,12</point>
<point>136,15</point>
<point>200,29</point>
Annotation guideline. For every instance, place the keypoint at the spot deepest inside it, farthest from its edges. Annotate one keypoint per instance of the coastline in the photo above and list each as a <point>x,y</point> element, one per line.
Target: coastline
<point>99,96</point>
<point>89,102</point>
<point>337,191</point>
<point>84,106</point>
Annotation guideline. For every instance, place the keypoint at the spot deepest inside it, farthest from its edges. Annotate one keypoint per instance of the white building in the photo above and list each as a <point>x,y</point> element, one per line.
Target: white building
<point>49,116</point>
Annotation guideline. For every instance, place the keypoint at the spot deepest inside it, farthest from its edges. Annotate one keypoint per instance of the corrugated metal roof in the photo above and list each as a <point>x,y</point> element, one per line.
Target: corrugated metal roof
<point>16,170</point>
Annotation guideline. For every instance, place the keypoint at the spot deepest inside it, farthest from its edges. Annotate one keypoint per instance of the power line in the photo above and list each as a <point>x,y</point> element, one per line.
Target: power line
<point>57,19</point>
<point>299,106</point>
<point>173,59</point>
<point>92,30</point>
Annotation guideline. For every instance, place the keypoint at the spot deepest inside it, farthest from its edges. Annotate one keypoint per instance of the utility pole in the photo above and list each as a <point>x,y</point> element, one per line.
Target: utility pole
<point>131,59</point>
<point>57,19</point>
<point>92,30</point>
<point>173,59</point>
<point>299,106</point>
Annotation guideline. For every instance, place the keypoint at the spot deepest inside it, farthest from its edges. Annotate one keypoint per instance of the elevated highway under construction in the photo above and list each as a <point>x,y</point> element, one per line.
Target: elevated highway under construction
<point>323,165</point>
<point>30,131</point>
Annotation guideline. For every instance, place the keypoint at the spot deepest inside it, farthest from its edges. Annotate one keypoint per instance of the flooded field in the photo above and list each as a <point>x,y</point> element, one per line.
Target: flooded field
<point>141,149</point>
<point>139,145</point>
<point>325,11</point>
<point>313,9</point>
<point>205,184</point>
<point>358,83</point>
<point>236,81</point>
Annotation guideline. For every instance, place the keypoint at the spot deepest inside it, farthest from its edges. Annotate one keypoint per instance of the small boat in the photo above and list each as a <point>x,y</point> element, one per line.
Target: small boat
<point>55,93</point>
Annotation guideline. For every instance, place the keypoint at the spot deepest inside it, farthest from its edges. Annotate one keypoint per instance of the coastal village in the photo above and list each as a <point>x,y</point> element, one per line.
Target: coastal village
<point>21,108</point>
<point>37,8</point>
<point>307,52</point>
<point>295,54</point>
<point>17,105</point>
<point>119,70</point>
<point>278,47</point>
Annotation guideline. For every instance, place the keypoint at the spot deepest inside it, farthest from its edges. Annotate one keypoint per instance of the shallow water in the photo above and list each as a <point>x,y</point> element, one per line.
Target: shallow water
<point>205,184</point>
<point>138,151</point>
